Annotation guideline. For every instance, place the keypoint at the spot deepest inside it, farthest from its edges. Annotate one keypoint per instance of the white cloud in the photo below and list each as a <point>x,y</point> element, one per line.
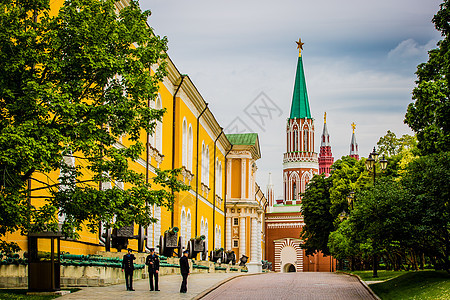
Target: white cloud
<point>410,49</point>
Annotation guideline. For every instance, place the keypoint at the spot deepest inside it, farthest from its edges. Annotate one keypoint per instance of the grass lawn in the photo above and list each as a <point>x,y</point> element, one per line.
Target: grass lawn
<point>382,275</point>
<point>22,294</point>
<point>415,285</point>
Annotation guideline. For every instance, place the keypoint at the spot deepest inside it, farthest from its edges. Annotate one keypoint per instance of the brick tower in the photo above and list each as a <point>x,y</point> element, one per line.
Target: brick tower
<point>325,156</point>
<point>300,161</point>
<point>354,144</point>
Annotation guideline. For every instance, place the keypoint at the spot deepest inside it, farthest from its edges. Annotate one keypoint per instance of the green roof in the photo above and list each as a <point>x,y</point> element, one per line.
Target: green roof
<point>300,103</point>
<point>242,138</point>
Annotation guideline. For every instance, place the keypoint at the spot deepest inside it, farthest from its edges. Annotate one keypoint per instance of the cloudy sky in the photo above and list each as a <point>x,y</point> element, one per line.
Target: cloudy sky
<point>359,58</point>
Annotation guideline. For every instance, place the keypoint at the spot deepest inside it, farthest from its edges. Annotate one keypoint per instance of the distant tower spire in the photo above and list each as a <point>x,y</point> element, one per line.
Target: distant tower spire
<point>325,156</point>
<point>270,193</point>
<point>354,144</point>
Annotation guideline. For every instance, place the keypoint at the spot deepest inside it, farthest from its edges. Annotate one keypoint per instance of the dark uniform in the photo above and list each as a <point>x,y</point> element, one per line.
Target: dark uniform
<point>184,269</point>
<point>128,266</point>
<point>152,261</point>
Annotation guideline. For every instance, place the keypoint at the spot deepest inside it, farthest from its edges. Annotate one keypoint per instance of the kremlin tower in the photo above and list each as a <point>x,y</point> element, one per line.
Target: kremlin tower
<point>325,157</point>
<point>283,219</point>
<point>354,144</point>
<point>300,161</point>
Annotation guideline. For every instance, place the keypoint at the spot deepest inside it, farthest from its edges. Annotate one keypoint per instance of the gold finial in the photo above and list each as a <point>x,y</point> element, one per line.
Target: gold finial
<point>353,126</point>
<point>325,118</point>
<point>300,47</point>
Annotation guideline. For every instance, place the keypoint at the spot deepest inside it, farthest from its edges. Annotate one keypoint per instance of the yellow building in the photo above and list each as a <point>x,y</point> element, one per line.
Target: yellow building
<point>189,137</point>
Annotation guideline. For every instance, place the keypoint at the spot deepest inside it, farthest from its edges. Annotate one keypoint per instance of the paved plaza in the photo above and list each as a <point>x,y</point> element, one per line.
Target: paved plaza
<point>292,286</point>
<point>169,286</point>
<point>238,286</point>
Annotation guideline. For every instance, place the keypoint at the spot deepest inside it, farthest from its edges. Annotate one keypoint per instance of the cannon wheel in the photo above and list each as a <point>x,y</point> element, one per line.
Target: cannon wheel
<point>190,248</point>
<point>141,239</point>
<point>180,246</point>
<point>224,256</point>
<point>204,252</point>
<point>162,246</point>
<point>233,259</point>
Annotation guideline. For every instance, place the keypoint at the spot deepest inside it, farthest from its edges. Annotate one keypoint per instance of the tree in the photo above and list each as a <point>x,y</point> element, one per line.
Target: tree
<point>316,206</point>
<point>428,114</point>
<point>70,86</point>
<point>427,185</point>
<point>347,174</point>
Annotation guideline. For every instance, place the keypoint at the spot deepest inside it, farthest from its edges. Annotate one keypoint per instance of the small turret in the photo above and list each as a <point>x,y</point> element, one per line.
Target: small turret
<point>354,144</point>
<point>326,158</point>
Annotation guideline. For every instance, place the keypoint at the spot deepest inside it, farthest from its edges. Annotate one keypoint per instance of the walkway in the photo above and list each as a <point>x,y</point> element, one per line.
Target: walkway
<point>292,286</point>
<point>168,284</point>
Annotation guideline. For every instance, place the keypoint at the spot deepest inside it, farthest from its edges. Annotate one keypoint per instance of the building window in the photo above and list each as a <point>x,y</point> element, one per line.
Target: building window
<point>189,148</point>
<point>235,221</point>
<point>184,146</point>
<point>235,244</point>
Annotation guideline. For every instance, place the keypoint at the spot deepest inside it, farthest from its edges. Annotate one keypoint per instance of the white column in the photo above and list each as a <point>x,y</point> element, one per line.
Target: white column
<point>243,179</point>
<point>241,237</point>
<point>254,242</point>
<point>228,187</point>
<point>228,241</point>
<point>259,240</point>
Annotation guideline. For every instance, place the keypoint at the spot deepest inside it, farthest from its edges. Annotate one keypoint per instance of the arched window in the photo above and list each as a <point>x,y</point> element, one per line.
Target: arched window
<point>203,163</point>
<point>205,232</point>
<point>202,227</point>
<point>158,129</point>
<point>218,178</point>
<point>305,140</point>
<point>188,236</point>
<point>294,189</point>
<point>295,140</point>
<point>184,145</point>
<point>189,148</point>
<point>207,165</point>
<point>183,225</point>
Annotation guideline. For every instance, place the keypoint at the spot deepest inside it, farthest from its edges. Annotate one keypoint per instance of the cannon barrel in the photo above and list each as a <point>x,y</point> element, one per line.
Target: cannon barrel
<point>200,238</point>
<point>173,230</point>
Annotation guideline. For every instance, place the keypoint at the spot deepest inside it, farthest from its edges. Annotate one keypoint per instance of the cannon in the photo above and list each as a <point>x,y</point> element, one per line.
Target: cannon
<point>217,255</point>
<point>118,238</point>
<point>197,245</point>
<point>243,260</point>
<point>170,242</point>
<point>230,257</point>
<point>266,265</point>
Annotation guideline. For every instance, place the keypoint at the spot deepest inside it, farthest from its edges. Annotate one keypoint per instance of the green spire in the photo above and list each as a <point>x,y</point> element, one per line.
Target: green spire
<point>300,104</point>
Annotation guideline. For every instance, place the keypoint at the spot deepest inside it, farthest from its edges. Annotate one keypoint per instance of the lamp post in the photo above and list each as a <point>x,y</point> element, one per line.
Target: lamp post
<point>350,199</point>
<point>370,164</point>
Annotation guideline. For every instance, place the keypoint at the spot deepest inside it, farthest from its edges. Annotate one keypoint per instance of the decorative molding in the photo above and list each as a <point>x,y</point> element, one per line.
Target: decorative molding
<point>284,225</point>
<point>187,175</point>
<point>205,190</point>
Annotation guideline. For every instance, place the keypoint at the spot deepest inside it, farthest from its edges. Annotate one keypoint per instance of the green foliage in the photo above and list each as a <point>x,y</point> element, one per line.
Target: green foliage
<point>347,174</point>
<point>428,114</point>
<point>427,188</point>
<point>316,206</point>
<point>342,241</point>
<point>415,285</point>
<point>70,86</point>
<point>381,217</point>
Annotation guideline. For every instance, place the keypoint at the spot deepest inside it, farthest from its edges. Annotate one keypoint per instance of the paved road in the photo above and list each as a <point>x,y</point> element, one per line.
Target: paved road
<point>169,286</point>
<point>306,285</point>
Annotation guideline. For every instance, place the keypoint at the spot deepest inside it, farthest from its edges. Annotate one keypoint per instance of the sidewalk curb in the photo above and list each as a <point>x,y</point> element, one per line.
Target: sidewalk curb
<point>364,284</point>
<point>209,290</point>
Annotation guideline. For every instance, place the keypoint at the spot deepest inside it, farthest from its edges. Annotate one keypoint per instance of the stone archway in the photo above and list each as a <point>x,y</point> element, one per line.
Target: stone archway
<point>289,268</point>
<point>288,258</point>
<point>287,251</point>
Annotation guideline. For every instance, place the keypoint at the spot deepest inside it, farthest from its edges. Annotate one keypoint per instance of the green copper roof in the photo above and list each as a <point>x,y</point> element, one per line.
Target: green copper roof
<point>242,138</point>
<point>300,103</point>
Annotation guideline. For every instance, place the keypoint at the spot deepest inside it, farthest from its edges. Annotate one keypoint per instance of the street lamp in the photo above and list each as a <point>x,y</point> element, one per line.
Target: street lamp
<point>370,164</point>
<point>350,198</point>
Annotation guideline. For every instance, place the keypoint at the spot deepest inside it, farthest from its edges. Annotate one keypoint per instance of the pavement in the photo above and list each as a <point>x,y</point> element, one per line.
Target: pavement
<point>169,286</point>
<point>307,285</point>
<point>214,286</point>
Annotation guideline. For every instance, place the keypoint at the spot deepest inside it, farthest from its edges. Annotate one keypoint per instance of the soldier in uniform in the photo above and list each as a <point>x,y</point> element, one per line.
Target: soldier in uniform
<point>152,261</point>
<point>184,269</point>
<point>128,266</point>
